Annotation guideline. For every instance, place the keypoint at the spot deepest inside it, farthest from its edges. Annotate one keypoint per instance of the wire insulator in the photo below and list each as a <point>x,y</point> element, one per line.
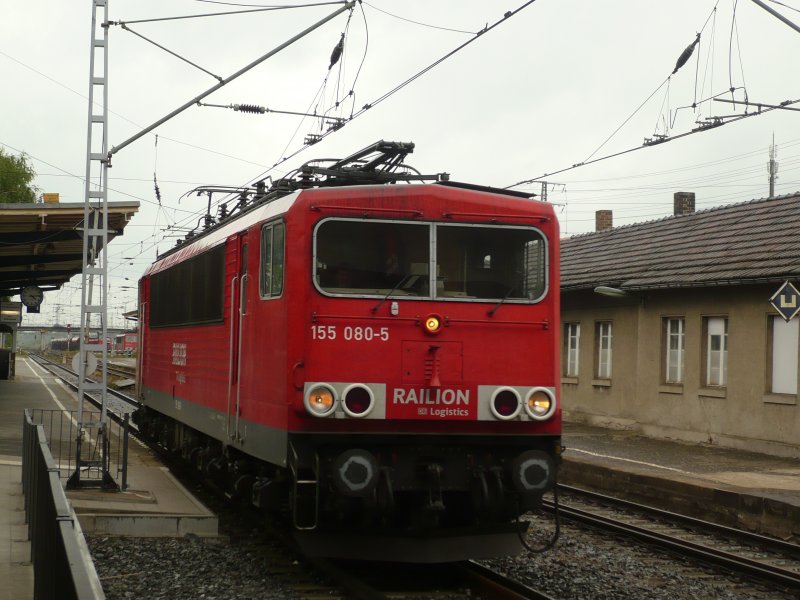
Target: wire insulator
<point>249,108</point>
<point>158,191</point>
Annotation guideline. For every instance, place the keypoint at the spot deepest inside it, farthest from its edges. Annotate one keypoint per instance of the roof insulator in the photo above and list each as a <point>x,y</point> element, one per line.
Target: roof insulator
<point>249,108</point>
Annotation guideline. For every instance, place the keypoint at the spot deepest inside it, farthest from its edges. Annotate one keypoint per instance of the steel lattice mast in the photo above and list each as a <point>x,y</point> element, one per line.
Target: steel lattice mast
<point>94,277</point>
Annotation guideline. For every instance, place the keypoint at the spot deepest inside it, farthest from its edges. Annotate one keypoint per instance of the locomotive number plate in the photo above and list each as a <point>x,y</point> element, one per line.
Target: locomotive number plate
<point>350,333</point>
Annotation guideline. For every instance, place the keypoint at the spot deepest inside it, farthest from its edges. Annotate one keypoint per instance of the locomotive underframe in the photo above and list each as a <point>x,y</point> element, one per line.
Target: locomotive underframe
<point>408,485</point>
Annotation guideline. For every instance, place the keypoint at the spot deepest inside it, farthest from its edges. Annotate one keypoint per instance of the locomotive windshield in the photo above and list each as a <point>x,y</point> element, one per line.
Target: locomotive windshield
<point>470,262</point>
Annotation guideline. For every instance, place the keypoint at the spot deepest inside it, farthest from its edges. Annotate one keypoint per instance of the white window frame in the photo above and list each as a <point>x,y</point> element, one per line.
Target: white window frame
<point>604,340</point>
<point>674,357</point>
<point>272,256</point>
<point>717,359</point>
<point>572,345</point>
<point>784,348</point>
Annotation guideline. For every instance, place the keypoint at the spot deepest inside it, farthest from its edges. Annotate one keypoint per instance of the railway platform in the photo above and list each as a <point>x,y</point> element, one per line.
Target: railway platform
<point>742,489</point>
<point>154,504</point>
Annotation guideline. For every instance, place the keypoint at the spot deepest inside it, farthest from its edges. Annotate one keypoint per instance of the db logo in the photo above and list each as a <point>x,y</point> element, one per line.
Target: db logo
<point>422,411</point>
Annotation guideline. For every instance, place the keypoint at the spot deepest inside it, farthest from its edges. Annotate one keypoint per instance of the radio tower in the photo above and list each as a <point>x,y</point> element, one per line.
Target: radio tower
<point>772,167</point>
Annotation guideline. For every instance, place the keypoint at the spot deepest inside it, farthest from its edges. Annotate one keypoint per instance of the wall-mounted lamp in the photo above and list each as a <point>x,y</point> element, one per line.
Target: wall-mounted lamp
<point>610,291</point>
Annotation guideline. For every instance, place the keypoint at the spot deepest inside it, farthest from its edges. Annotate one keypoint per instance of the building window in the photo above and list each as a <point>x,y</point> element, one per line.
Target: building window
<point>716,343</point>
<point>603,347</point>
<point>674,343</point>
<point>572,339</point>
<point>783,346</point>
<point>271,281</point>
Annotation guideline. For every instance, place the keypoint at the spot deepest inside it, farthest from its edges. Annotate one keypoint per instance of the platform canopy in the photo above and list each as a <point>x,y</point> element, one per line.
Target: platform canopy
<point>41,244</point>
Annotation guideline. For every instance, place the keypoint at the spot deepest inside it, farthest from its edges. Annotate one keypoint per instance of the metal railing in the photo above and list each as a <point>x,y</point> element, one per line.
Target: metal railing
<point>61,429</point>
<point>62,565</point>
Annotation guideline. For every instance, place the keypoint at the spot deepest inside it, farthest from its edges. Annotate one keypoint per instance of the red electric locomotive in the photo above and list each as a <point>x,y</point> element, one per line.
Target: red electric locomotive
<point>378,359</point>
<point>125,343</point>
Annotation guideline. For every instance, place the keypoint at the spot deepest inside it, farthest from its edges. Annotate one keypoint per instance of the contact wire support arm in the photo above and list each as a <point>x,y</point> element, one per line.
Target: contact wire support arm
<point>228,79</point>
<point>777,15</point>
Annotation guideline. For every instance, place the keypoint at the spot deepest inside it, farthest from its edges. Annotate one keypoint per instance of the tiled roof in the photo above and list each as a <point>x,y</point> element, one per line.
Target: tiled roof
<point>755,241</point>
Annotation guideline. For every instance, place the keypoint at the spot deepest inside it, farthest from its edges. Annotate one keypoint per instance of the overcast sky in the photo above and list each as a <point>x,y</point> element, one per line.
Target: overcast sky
<point>539,93</point>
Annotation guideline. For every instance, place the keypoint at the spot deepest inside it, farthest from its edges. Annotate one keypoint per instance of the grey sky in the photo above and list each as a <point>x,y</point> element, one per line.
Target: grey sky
<point>539,93</point>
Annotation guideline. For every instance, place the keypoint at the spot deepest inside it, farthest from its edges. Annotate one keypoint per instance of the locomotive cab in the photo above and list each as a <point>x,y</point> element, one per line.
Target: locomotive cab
<point>430,398</point>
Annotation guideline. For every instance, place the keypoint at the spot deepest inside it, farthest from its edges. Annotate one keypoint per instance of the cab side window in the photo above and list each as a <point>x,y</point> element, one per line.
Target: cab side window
<point>272,259</point>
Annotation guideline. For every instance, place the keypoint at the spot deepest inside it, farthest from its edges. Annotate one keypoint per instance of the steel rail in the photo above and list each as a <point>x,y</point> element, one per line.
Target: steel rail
<point>47,364</point>
<point>121,370</point>
<point>755,538</point>
<point>737,564</point>
<point>498,586</point>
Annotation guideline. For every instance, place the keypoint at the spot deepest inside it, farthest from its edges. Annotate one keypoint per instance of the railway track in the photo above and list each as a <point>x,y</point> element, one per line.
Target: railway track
<point>744,553</point>
<point>118,404</point>
<point>120,371</point>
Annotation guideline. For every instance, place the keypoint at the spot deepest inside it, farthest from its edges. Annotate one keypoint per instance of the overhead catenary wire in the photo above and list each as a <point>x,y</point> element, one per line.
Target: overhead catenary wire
<point>682,59</point>
<point>226,13</point>
<point>777,15</point>
<point>785,5</point>
<point>633,114</point>
<point>235,3</point>
<point>394,90</point>
<point>256,109</point>
<point>284,157</point>
<point>708,99</point>
<point>718,179</point>
<point>366,107</point>
<point>730,50</point>
<point>78,177</point>
<point>337,57</point>
<point>640,209</point>
<point>683,168</point>
<point>127,120</point>
<point>348,5</point>
<point>703,126</point>
<point>663,141</point>
<point>351,93</point>
<point>386,12</point>
<point>741,62</point>
<point>408,81</point>
<point>710,61</point>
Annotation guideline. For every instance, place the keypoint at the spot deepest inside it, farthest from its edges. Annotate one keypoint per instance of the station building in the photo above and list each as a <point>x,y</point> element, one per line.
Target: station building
<point>669,327</point>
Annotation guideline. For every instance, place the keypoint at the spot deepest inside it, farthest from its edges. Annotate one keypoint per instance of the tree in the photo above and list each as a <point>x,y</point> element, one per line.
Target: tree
<point>16,175</point>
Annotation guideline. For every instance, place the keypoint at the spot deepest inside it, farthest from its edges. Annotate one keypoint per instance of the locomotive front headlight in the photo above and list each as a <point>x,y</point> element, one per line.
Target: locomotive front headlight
<point>321,400</point>
<point>540,403</point>
<point>432,324</point>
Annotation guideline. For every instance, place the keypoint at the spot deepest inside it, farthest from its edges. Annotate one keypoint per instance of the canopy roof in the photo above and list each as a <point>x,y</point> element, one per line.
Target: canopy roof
<point>41,244</point>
